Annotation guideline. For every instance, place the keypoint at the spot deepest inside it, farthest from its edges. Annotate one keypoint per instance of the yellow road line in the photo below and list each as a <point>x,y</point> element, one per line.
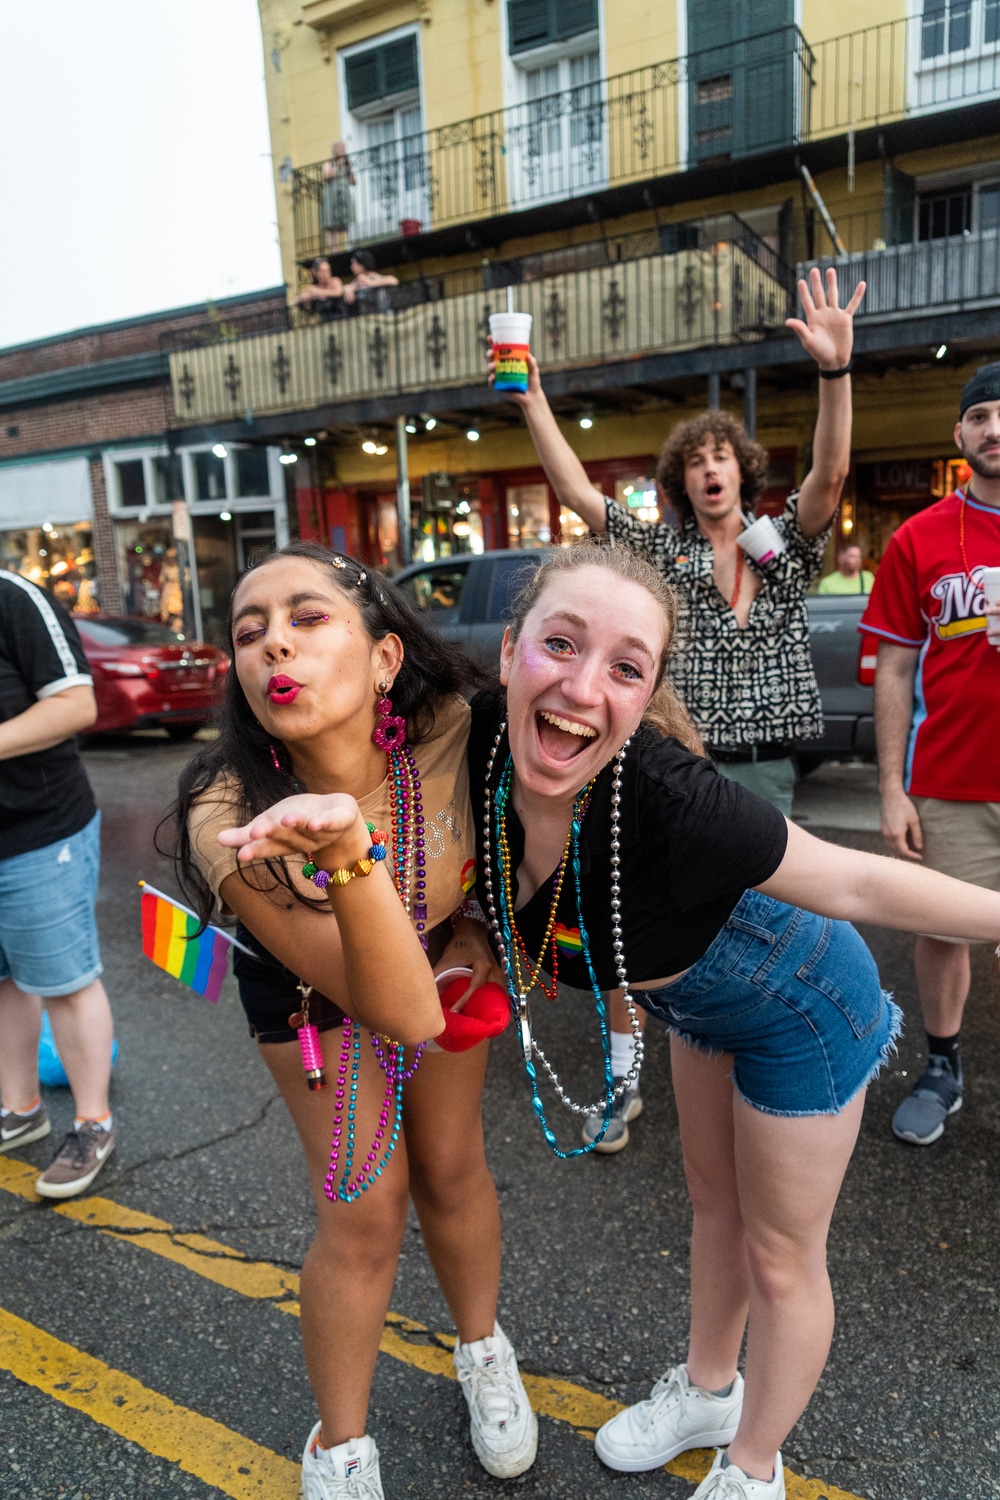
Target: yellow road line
<point>562,1400</point>
<point>196,1444</point>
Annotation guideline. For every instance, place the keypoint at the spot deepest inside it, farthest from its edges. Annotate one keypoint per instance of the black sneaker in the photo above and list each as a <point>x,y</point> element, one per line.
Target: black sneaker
<point>21,1130</point>
<point>936,1094</point>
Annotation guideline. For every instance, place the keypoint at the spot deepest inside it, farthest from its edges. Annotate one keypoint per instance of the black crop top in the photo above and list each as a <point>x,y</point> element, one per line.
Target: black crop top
<point>691,843</point>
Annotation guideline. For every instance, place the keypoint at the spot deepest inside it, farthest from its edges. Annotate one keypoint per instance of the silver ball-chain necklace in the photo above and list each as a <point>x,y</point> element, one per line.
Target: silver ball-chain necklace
<point>529,1044</point>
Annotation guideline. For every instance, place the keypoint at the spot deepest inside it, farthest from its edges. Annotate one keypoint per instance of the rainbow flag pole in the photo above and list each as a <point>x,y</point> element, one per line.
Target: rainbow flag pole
<point>168,939</point>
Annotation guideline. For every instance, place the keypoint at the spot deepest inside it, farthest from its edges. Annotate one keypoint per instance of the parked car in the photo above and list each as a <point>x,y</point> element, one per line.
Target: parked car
<point>468,599</point>
<point>147,676</point>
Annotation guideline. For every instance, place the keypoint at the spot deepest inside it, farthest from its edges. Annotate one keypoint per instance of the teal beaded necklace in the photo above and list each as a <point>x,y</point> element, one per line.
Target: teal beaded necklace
<point>494,828</point>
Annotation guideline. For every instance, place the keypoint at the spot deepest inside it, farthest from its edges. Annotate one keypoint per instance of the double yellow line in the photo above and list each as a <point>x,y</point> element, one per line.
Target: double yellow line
<point>211,1452</point>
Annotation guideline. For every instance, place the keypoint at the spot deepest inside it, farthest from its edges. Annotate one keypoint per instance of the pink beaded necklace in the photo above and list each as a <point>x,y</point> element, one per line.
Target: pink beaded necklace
<point>409,878</point>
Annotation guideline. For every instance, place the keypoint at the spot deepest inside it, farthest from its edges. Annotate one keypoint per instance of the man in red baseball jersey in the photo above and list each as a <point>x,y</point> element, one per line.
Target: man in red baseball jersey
<point>937,726</point>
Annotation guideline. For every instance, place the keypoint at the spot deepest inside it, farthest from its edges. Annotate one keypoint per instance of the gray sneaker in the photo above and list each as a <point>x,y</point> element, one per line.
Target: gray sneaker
<point>21,1130</point>
<point>81,1155</point>
<point>627,1107</point>
<point>936,1094</point>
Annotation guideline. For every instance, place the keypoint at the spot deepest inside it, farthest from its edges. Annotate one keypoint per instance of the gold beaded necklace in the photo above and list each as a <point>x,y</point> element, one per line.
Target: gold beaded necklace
<point>531,975</point>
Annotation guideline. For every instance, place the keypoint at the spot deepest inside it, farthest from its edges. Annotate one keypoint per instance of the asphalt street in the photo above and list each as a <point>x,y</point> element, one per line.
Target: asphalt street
<point>140,1356</point>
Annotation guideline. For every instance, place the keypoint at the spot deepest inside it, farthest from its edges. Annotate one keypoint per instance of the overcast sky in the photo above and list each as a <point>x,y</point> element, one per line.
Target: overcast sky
<point>134,160</point>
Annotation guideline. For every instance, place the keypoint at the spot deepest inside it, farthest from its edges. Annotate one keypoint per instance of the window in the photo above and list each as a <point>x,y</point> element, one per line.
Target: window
<point>945,215</point>
<point>209,477</point>
<point>383,128</point>
<point>510,574</point>
<point>946,27</point>
<point>380,72</point>
<point>537,23</point>
<point>252,477</point>
<point>137,480</point>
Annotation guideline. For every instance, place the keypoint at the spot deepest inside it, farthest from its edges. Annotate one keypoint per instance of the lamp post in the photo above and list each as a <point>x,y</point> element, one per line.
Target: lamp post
<point>403,493</point>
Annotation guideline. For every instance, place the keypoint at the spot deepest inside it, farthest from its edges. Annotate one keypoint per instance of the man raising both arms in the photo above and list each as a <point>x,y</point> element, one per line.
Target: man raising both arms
<point>741,662</point>
<point>937,721</point>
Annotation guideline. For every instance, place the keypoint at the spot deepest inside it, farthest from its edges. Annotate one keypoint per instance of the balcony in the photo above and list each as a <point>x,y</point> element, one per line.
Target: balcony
<point>726,290</point>
<point>959,273</point>
<point>748,99</point>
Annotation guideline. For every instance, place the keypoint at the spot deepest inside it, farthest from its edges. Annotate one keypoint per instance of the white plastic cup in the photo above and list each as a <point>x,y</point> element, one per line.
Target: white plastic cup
<point>510,334</point>
<point>762,540</point>
<point>990,581</point>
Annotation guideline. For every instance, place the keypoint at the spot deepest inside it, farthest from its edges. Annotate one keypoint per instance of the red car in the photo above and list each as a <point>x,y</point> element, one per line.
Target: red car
<point>146,676</point>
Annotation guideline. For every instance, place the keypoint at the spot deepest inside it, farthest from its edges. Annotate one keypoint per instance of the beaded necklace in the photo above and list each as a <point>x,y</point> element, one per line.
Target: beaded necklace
<point>976,582</point>
<point>409,878</point>
<point>496,809</point>
<point>519,951</point>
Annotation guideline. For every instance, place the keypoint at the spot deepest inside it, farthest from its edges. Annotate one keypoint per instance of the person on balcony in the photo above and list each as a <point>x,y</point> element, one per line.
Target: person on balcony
<point>337,203</point>
<point>742,663</point>
<point>324,294</point>
<point>362,294</point>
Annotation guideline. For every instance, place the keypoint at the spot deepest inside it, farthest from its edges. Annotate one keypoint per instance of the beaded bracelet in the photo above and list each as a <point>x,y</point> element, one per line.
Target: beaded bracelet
<point>377,853</point>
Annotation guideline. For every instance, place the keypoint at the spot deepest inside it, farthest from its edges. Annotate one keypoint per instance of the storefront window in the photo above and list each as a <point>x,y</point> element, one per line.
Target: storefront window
<point>448,518</point>
<point>570,526</point>
<point>139,481</point>
<point>528,516</point>
<point>58,558</point>
<point>150,573</point>
<point>640,496</point>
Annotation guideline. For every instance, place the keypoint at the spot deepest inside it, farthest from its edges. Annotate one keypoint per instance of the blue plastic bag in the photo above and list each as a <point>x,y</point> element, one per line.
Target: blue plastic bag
<point>50,1069</point>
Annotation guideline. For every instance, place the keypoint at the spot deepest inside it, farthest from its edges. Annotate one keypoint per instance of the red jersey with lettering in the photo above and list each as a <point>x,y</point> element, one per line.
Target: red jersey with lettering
<point>927,595</point>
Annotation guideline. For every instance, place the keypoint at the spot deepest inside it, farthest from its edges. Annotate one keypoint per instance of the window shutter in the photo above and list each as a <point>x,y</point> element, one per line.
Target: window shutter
<point>528,24</point>
<point>400,60</point>
<point>573,17</point>
<point>381,72</point>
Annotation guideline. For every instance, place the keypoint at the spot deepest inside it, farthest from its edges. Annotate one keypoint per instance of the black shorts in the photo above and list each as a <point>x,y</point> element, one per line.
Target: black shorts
<point>269,993</point>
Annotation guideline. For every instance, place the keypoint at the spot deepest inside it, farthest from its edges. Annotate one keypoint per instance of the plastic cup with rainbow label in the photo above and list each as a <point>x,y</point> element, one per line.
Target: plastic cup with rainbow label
<point>510,333</point>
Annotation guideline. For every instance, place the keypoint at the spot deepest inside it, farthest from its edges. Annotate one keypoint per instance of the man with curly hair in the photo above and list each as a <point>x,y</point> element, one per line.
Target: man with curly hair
<point>741,662</point>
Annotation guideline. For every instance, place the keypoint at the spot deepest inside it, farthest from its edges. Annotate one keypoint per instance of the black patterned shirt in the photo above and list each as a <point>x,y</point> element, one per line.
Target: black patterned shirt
<point>754,686</point>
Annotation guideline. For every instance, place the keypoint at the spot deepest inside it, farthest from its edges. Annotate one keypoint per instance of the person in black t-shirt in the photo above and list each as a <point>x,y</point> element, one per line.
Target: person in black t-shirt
<point>49,862</point>
<point>777,1016</point>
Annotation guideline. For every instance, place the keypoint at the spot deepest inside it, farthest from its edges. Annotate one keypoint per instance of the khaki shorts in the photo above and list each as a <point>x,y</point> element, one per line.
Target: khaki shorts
<point>961,839</point>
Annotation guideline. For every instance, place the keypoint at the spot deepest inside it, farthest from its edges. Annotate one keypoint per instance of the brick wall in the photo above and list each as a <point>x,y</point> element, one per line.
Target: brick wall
<point>117,339</point>
<point>108,586</point>
<point>140,412</point>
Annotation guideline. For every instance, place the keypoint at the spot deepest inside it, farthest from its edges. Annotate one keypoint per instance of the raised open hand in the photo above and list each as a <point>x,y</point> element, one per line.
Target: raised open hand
<point>297,825</point>
<point>828,331</point>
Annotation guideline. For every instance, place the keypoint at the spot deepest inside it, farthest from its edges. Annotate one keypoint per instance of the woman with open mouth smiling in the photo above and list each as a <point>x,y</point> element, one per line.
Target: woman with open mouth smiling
<point>678,884</point>
<point>341,699</point>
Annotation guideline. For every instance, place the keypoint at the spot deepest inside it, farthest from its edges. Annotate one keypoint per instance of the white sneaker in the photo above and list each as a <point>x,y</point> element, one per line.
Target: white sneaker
<point>730,1483</point>
<point>677,1416</point>
<point>503,1427</point>
<point>347,1472</point>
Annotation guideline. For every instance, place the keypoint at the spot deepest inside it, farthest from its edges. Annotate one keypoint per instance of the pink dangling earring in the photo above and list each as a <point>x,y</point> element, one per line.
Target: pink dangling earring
<point>390,730</point>
<point>276,763</point>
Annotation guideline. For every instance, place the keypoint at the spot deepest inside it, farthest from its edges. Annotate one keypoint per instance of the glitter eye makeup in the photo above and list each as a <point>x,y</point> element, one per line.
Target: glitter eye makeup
<point>309,619</point>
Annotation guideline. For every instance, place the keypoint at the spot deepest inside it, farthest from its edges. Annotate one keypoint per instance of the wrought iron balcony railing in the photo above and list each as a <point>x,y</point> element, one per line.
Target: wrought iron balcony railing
<point>743,99</point>
<point>959,272</point>
<point>721,292</point>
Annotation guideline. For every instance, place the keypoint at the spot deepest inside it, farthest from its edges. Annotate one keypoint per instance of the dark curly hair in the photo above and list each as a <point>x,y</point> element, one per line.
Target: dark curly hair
<point>431,671</point>
<point>687,438</point>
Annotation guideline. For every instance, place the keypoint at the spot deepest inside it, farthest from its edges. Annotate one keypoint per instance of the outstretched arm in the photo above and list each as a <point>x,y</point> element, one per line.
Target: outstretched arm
<point>391,986</point>
<point>856,887</point>
<point>827,335</point>
<point>564,470</point>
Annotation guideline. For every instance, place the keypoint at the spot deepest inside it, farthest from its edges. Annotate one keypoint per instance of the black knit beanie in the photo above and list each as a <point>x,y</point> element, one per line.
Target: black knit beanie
<point>984,386</point>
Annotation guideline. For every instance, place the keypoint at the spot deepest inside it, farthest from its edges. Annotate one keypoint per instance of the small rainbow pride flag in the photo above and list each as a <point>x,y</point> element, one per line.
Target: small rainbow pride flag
<point>168,938</point>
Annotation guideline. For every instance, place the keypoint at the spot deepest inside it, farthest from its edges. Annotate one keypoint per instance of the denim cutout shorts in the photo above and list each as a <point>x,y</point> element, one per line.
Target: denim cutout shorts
<point>795,998</point>
<point>48,932</point>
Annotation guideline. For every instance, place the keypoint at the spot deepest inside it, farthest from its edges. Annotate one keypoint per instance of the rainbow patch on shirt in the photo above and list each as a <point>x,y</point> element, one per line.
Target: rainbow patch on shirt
<point>568,939</point>
<point>468,875</point>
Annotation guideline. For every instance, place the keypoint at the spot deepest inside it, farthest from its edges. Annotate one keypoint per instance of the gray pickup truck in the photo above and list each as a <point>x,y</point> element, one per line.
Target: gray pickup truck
<point>467,599</point>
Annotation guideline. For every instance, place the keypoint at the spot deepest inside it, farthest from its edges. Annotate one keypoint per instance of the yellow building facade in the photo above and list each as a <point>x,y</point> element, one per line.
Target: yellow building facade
<point>648,180</point>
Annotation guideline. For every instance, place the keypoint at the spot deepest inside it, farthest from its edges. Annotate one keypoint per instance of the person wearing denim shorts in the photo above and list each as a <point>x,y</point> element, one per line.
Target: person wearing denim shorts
<point>732,926</point>
<point>49,865</point>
